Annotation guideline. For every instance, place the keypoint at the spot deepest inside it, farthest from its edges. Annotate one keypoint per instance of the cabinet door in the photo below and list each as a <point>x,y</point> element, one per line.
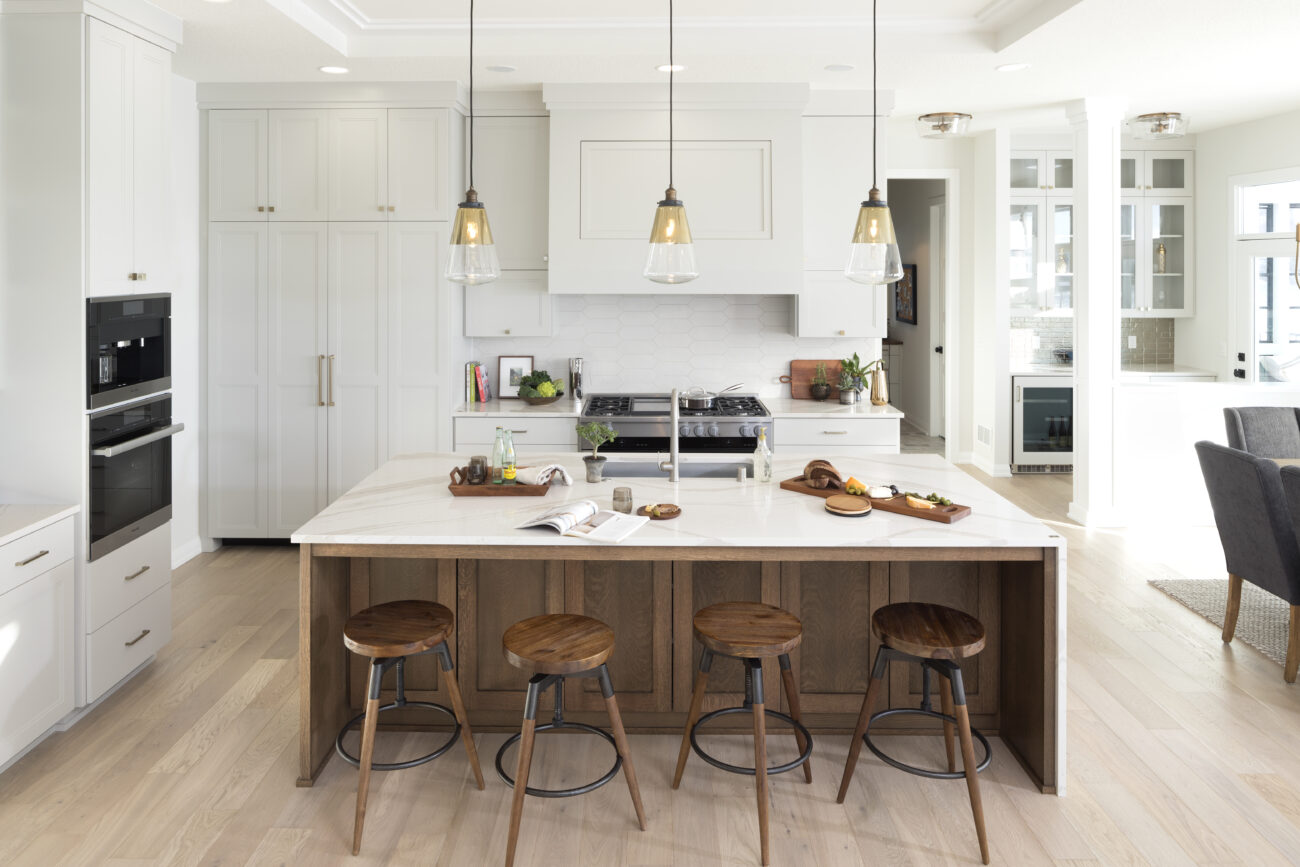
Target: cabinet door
<point>635,599</point>
<point>836,177</point>
<point>419,165</point>
<point>700,584</point>
<point>831,305</point>
<point>358,162</point>
<point>237,380</point>
<point>1059,240</point>
<point>110,60</point>
<point>1168,173</point>
<point>415,283</point>
<point>1170,257</point>
<point>1132,172</point>
<point>151,168</point>
<point>298,177</point>
<point>1058,167</point>
<point>237,182</point>
<point>1028,171</point>
<point>1131,280</point>
<point>37,673</point>
<point>514,305</point>
<point>1025,233</point>
<point>511,173</point>
<point>357,368</point>
<point>298,375</point>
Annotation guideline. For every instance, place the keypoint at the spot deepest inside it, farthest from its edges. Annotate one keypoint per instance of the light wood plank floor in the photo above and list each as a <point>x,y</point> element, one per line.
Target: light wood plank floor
<point>1181,751</point>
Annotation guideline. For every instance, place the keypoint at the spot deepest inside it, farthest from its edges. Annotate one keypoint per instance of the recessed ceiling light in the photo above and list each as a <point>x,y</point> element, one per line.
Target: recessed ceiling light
<point>672,67</point>
<point>1012,67</point>
<point>500,68</point>
<point>335,70</point>
<point>839,67</point>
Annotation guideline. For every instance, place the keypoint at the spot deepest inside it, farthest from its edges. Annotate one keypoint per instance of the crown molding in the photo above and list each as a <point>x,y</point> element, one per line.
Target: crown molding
<point>397,94</point>
<point>686,97</point>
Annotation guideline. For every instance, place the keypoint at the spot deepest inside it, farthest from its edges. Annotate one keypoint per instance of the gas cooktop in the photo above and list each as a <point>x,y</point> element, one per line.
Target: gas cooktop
<point>660,405</point>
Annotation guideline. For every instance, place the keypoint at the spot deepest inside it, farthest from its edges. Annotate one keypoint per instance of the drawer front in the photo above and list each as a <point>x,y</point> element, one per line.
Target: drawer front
<point>836,432</point>
<point>123,577</point>
<point>556,433</point>
<point>28,556</point>
<point>127,640</point>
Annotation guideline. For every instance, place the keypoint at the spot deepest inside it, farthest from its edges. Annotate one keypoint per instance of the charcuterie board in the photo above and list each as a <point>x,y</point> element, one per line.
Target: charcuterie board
<point>897,505</point>
<point>801,376</point>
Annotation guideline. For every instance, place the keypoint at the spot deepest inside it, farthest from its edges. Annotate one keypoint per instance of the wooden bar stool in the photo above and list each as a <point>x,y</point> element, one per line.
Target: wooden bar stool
<point>750,632</point>
<point>553,647</point>
<point>387,634</point>
<point>934,636</point>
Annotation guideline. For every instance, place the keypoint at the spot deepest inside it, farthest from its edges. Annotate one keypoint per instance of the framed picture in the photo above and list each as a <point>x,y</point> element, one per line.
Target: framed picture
<point>510,368</point>
<point>905,296</point>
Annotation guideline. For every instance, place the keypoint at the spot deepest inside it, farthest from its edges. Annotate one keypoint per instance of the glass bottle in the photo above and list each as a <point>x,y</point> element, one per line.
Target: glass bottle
<point>1052,434</point>
<point>762,458</point>
<point>508,469</point>
<point>498,458</point>
<point>1161,258</point>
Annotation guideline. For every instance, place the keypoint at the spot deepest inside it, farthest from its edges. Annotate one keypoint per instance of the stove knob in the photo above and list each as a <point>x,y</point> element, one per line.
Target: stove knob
<point>699,430</point>
<point>684,430</point>
<point>744,430</point>
<point>713,430</point>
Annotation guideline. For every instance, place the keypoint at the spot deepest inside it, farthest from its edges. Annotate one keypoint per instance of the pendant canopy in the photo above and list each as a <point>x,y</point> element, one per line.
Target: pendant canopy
<point>672,254</point>
<point>472,257</point>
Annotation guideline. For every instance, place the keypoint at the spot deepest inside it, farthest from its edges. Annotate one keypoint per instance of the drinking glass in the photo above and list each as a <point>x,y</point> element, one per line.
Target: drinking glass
<point>477,470</point>
<point>623,500</point>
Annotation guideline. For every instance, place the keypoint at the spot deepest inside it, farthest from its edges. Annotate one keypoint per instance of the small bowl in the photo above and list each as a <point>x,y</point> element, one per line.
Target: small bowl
<point>542,401</point>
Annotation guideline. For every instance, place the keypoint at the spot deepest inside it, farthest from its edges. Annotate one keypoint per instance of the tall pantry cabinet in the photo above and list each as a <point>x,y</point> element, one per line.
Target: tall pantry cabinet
<point>327,304</point>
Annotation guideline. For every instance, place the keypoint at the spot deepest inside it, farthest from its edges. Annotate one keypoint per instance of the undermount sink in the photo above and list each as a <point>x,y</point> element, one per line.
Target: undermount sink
<point>707,469</point>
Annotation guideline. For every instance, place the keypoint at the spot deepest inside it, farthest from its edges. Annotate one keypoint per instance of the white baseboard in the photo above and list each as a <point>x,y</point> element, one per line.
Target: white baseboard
<point>1097,517</point>
<point>186,551</point>
<point>997,471</point>
<point>963,458</point>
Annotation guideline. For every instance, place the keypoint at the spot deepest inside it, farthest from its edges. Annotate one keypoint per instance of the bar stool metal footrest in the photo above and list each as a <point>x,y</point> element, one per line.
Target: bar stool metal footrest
<point>399,663</point>
<point>739,769</point>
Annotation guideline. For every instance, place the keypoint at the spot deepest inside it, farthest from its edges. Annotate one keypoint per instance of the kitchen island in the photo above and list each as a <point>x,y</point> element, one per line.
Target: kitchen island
<point>401,534</point>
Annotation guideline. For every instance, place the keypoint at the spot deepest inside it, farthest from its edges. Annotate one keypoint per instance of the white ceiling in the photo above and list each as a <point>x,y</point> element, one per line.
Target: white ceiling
<point>1217,62</point>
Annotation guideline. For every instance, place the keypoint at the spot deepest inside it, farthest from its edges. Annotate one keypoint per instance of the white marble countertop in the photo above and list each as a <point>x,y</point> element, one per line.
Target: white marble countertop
<point>781,407</point>
<point>562,408</point>
<point>406,501</point>
<point>19,519</point>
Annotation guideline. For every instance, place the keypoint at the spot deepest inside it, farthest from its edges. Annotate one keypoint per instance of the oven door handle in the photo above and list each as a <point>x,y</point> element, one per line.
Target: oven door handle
<point>131,445</point>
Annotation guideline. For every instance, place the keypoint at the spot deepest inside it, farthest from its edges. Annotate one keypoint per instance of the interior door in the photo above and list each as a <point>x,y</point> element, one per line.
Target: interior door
<point>938,316</point>
<point>1267,277</point>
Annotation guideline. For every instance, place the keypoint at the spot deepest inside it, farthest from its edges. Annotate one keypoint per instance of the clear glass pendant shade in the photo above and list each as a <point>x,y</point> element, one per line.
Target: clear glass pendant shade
<point>473,256</point>
<point>672,254</point>
<point>873,255</point>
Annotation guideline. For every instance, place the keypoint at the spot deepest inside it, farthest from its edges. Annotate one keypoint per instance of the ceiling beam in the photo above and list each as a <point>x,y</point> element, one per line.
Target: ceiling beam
<point>1009,21</point>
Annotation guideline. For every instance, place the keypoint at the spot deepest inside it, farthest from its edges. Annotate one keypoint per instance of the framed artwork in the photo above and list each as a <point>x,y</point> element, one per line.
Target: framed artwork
<point>905,296</point>
<point>510,369</point>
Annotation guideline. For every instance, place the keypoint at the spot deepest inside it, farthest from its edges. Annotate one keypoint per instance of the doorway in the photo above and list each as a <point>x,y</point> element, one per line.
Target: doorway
<point>1266,287</point>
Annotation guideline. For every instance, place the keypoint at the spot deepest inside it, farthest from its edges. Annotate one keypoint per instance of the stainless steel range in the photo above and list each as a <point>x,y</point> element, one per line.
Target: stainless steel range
<point>644,423</point>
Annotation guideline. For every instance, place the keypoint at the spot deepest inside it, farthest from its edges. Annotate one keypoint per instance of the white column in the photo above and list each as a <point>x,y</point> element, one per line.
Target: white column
<point>1096,123</point>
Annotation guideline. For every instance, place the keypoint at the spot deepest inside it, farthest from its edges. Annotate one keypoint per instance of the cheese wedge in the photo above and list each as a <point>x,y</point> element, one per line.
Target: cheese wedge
<point>918,503</point>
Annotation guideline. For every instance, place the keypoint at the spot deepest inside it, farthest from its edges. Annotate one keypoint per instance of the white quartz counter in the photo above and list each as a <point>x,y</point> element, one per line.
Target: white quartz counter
<point>1153,372</point>
<point>406,501</point>
<point>781,407</point>
<point>562,408</point>
<point>20,519</point>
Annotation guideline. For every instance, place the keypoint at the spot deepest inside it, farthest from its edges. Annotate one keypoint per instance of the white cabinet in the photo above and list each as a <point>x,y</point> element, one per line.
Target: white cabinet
<point>1156,256</point>
<point>389,164</point>
<point>419,181</point>
<point>516,304</point>
<point>512,175</point>
<point>553,433</point>
<point>37,645</point>
<point>1045,171</point>
<point>267,165</point>
<point>127,641</point>
<point>1040,235</point>
<point>358,160</point>
<point>128,158</point>
<point>1160,173</point>
<point>831,305</point>
<point>838,435</point>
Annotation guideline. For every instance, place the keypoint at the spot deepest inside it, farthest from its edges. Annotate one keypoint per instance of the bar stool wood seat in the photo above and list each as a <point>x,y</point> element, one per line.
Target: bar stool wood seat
<point>932,636</point>
<point>554,647</point>
<point>387,634</point>
<point>750,632</point>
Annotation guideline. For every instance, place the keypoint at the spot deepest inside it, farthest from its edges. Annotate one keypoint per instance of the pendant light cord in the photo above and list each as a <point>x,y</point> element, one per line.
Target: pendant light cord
<point>671,73</point>
<point>874,89</point>
<point>471,94</point>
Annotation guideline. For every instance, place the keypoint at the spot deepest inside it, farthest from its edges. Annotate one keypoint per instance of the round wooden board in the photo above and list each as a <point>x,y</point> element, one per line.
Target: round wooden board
<point>644,512</point>
<point>848,506</point>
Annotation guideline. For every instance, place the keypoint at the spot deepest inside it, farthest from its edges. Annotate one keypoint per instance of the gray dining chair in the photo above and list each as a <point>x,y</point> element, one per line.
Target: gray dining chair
<point>1265,431</point>
<point>1257,531</point>
<point>1291,487</point>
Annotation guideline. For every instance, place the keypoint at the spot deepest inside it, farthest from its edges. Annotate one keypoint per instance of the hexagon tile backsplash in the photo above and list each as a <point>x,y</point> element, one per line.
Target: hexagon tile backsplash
<point>650,343</point>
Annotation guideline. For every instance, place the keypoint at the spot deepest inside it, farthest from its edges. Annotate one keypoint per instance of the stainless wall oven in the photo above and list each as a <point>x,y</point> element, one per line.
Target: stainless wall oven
<point>130,471</point>
<point>128,348</point>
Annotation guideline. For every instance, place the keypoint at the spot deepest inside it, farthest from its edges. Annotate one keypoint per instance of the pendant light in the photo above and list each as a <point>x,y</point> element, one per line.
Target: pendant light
<point>873,255</point>
<point>473,256</point>
<point>672,254</point>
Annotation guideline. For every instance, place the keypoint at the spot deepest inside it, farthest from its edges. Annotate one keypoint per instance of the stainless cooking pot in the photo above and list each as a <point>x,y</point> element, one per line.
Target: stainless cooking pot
<point>697,398</point>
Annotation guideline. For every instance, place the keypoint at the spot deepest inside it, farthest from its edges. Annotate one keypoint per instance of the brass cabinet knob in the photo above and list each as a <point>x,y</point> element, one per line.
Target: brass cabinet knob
<point>392,207</point>
<point>271,208</point>
<point>381,209</point>
<point>140,276</point>
<point>507,331</point>
<point>133,276</point>
<point>261,209</point>
<point>841,332</point>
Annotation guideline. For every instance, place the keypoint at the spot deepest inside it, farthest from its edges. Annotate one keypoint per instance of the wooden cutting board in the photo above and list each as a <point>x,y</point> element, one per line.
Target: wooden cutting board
<point>898,505</point>
<point>801,376</point>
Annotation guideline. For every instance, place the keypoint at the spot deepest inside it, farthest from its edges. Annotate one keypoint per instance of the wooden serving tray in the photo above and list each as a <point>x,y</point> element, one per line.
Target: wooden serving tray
<point>458,487</point>
<point>897,505</point>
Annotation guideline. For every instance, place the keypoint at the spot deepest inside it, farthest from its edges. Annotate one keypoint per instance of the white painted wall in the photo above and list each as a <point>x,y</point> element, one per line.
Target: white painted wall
<point>987,354</point>
<point>909,204</point>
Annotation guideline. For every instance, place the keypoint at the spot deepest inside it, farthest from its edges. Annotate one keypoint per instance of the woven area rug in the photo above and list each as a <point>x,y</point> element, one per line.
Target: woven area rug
<point>1262,623</point>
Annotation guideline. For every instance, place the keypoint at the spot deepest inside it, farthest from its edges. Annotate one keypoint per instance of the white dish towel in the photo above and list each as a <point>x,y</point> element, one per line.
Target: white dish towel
<point>545,475</point>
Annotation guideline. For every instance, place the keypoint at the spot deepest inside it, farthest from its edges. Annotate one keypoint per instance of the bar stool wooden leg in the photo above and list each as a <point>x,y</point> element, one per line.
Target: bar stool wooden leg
<point>949,730</point>
<point>864,717</point>
<point>458,706</point>
<point>968,763</point>
<point>367,751</point>
<point>792,698</point>
<point>697,702</point>
<point>521,773</point>
<point>620,741</point>
<point>760,754</point>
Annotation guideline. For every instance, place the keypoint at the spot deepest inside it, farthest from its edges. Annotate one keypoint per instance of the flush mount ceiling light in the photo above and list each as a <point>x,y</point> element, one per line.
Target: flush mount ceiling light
<point>873,255</point>
<point>672,254</point>
<point>332,70</point>
<point>671,67</point>
<point>1158,126</point>
<point>839,67</point>
<point>942,124</point>
<point>1012,67</point>
<point>473,257</point>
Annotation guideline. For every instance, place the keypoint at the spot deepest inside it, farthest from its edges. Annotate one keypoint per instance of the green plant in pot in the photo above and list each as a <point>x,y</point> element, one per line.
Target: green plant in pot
<point>596,435</point>
<point>854,376</point>
<point>820,388</point>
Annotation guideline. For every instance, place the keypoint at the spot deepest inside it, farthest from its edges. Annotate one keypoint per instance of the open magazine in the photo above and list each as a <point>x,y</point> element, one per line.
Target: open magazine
<point>585,520</point>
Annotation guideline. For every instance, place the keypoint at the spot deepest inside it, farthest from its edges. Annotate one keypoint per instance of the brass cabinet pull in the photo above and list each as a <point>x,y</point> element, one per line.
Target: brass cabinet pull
<point>138,638</point>
<point>513,432</point>
<point>133,276</point>
<point>32,559</point>
<point>835,432</point>
<point>507,331</point>
<point>137,574</point>
<point>381,208</point>
<point>320,399</point>
<point>841,332</point>
<point>331,374</point>
<point>392,207</point>
<point>271,208</point>
<point>261,209</point>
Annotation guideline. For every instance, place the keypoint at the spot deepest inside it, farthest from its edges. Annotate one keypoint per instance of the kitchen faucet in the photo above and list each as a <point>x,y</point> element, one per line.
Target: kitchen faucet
<point>674,420</point>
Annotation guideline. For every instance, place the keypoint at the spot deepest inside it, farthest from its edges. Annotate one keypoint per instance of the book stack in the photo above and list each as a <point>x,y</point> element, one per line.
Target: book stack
<point>477,387</point>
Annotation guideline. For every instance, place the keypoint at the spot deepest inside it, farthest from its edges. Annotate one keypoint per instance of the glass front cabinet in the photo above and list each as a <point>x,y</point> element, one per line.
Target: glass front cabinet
<point>1041,241</point>
<point>1156,256</point>
<point>1044,171</point>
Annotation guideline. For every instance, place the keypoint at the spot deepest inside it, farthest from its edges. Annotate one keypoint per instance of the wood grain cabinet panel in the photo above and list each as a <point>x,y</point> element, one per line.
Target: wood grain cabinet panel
<point>700,584</point>
<point>635,599</point>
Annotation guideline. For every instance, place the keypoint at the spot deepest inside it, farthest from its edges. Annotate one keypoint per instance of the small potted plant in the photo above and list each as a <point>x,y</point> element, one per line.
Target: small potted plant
<point>596,435</point>
<point>851,377</point>
<point>820,389</point>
